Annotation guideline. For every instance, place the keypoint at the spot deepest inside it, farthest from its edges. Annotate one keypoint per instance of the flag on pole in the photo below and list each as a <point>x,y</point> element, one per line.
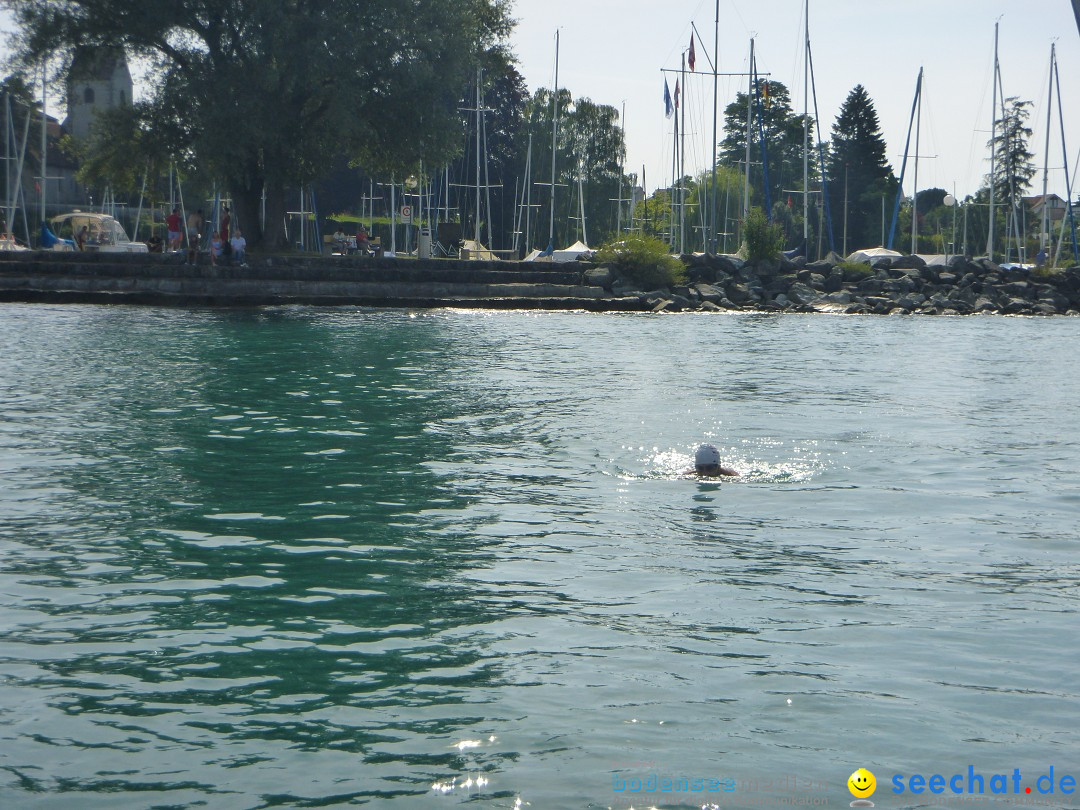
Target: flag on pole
<point>676,94</point>
<point>693,57</point>
<point>668,109</point>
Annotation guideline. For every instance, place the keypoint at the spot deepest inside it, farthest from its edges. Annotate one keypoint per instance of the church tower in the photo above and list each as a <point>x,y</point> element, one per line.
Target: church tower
<point>98,80</point>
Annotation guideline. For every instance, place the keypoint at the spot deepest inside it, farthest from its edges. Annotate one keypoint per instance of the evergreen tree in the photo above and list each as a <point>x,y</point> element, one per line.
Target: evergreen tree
<point>858,165</point>
<point>1013,167</point>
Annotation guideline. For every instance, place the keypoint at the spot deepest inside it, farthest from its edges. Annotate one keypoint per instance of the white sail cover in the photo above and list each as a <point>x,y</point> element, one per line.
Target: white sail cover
<point>869,255</point>
<point>571,253</point>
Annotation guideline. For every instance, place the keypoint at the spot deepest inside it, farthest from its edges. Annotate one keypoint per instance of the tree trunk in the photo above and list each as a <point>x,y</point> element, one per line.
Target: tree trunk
<point>248,203</point>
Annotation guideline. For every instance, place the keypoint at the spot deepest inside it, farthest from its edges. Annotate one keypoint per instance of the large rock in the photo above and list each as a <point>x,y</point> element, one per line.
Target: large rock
<point>870,286</point>
<point>803,294</point>
<point>835,280</point>
<point>708,292</point>
<point>740,294</point>
<point>600,277</point>
<point>908,262</point>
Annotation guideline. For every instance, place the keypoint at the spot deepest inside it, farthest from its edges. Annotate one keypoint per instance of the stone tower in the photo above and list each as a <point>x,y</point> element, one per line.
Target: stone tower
<point>98,80</point>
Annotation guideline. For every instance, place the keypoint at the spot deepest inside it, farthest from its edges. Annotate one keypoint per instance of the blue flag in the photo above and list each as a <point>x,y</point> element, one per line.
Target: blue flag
<point>668,107</point>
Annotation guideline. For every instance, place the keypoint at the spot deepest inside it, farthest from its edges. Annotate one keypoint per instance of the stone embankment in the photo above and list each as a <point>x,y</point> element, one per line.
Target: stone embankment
<point>166,280</point>
<point>904,285</point>
<point>898,286</point>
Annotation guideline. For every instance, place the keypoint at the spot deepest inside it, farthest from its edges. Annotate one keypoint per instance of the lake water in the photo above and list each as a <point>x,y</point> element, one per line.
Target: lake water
<point>303,557</point>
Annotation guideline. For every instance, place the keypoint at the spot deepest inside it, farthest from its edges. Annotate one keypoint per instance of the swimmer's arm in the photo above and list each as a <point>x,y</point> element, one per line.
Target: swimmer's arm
<point>728,471</point>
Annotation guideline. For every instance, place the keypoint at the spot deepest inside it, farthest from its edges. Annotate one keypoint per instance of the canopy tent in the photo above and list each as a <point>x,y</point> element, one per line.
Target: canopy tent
<point>471,249</point>
<point>870,255</point>
<point>537,255</point>
<point>571,253</point>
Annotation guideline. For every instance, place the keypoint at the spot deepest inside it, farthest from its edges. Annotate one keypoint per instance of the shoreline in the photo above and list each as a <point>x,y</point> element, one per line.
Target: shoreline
<point>905,285</point>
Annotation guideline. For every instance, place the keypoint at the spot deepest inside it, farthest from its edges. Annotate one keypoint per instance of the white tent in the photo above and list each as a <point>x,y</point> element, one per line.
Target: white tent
<point>474,250</point>
<point>870,255</point>
<point>571,253</point>
<point>536,256</point>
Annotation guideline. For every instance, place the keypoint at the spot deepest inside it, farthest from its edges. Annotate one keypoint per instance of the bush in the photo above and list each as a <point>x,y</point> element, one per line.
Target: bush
<point>1048,273</point>
<point>854,271</point>
<point>644,260</point>
<point>764,240</point>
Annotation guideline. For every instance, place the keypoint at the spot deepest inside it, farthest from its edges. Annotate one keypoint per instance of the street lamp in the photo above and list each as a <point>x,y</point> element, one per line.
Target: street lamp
<point>950,201</point>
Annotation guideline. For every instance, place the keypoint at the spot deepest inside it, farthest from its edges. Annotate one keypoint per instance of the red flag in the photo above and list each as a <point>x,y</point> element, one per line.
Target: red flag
<point>676,94</point>
<point>37,186</point>
<point>692,59</point>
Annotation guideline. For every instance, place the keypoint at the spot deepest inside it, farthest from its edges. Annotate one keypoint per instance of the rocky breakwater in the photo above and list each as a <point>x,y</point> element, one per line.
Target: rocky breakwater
<point>905,285</point>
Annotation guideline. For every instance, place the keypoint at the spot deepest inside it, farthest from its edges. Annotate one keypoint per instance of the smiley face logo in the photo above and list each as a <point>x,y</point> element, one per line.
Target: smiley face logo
<point>862,784</point>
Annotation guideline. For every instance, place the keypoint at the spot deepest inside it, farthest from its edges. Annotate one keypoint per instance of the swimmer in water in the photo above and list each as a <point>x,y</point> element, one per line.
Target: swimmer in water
<point>707,462</point>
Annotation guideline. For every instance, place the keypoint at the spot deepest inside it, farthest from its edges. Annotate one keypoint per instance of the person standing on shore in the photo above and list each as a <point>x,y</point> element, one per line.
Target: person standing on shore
<point>194,235</point>
<point>172,225</point>
<point>226,222</point>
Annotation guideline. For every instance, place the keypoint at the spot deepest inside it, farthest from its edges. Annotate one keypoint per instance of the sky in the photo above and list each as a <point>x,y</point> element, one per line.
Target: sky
<point>613,51</point>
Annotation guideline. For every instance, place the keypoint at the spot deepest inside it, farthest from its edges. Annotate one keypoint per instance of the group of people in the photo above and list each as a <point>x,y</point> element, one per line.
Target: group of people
<point>226,245</point>
<point>343,243</point>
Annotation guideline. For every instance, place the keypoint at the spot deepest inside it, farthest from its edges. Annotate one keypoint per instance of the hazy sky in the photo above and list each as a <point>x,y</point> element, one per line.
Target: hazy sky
<point>613,51</point>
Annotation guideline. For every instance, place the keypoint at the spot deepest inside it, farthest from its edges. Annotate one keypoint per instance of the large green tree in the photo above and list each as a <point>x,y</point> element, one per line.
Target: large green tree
<point>858,172</point>
<point>589,147</point>
<point>265,94</point>
<point>784,138</point>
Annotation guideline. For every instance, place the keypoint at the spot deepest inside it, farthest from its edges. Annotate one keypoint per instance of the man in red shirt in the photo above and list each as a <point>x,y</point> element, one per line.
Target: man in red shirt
<point>172,224</point>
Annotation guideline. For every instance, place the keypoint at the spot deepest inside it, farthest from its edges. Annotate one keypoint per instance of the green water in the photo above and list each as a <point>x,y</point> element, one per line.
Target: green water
<point>311,558</point>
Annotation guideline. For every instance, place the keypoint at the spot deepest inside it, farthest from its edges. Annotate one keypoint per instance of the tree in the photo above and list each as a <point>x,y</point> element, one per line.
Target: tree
<point>266,93</point>
<point>859,171</point>
<point>590,146</point>
<point>725,186</point>
<point>783,135</point>
<point>503,140</point>
<point>1013,166</point>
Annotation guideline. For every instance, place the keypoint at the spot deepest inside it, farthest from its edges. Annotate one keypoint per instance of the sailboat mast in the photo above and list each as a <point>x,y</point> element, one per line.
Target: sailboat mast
<point>806,136</point>
<point>554,136</point>
<point>476,225</point>
<point>44,144</point>
<point>581,201</point>
<point>1046,152</point>
<point>993,148</point>
<point>682,162</point>
<point>710,240</point>
<point>622,174</point>
<point>915,183</point>
<point>749,117</point>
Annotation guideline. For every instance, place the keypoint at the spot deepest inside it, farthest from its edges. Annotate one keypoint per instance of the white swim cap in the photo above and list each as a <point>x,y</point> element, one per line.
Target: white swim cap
<point>707,455</point>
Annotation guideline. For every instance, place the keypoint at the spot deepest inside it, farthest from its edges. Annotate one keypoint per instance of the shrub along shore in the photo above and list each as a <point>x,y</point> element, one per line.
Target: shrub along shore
<point>903,285</point>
